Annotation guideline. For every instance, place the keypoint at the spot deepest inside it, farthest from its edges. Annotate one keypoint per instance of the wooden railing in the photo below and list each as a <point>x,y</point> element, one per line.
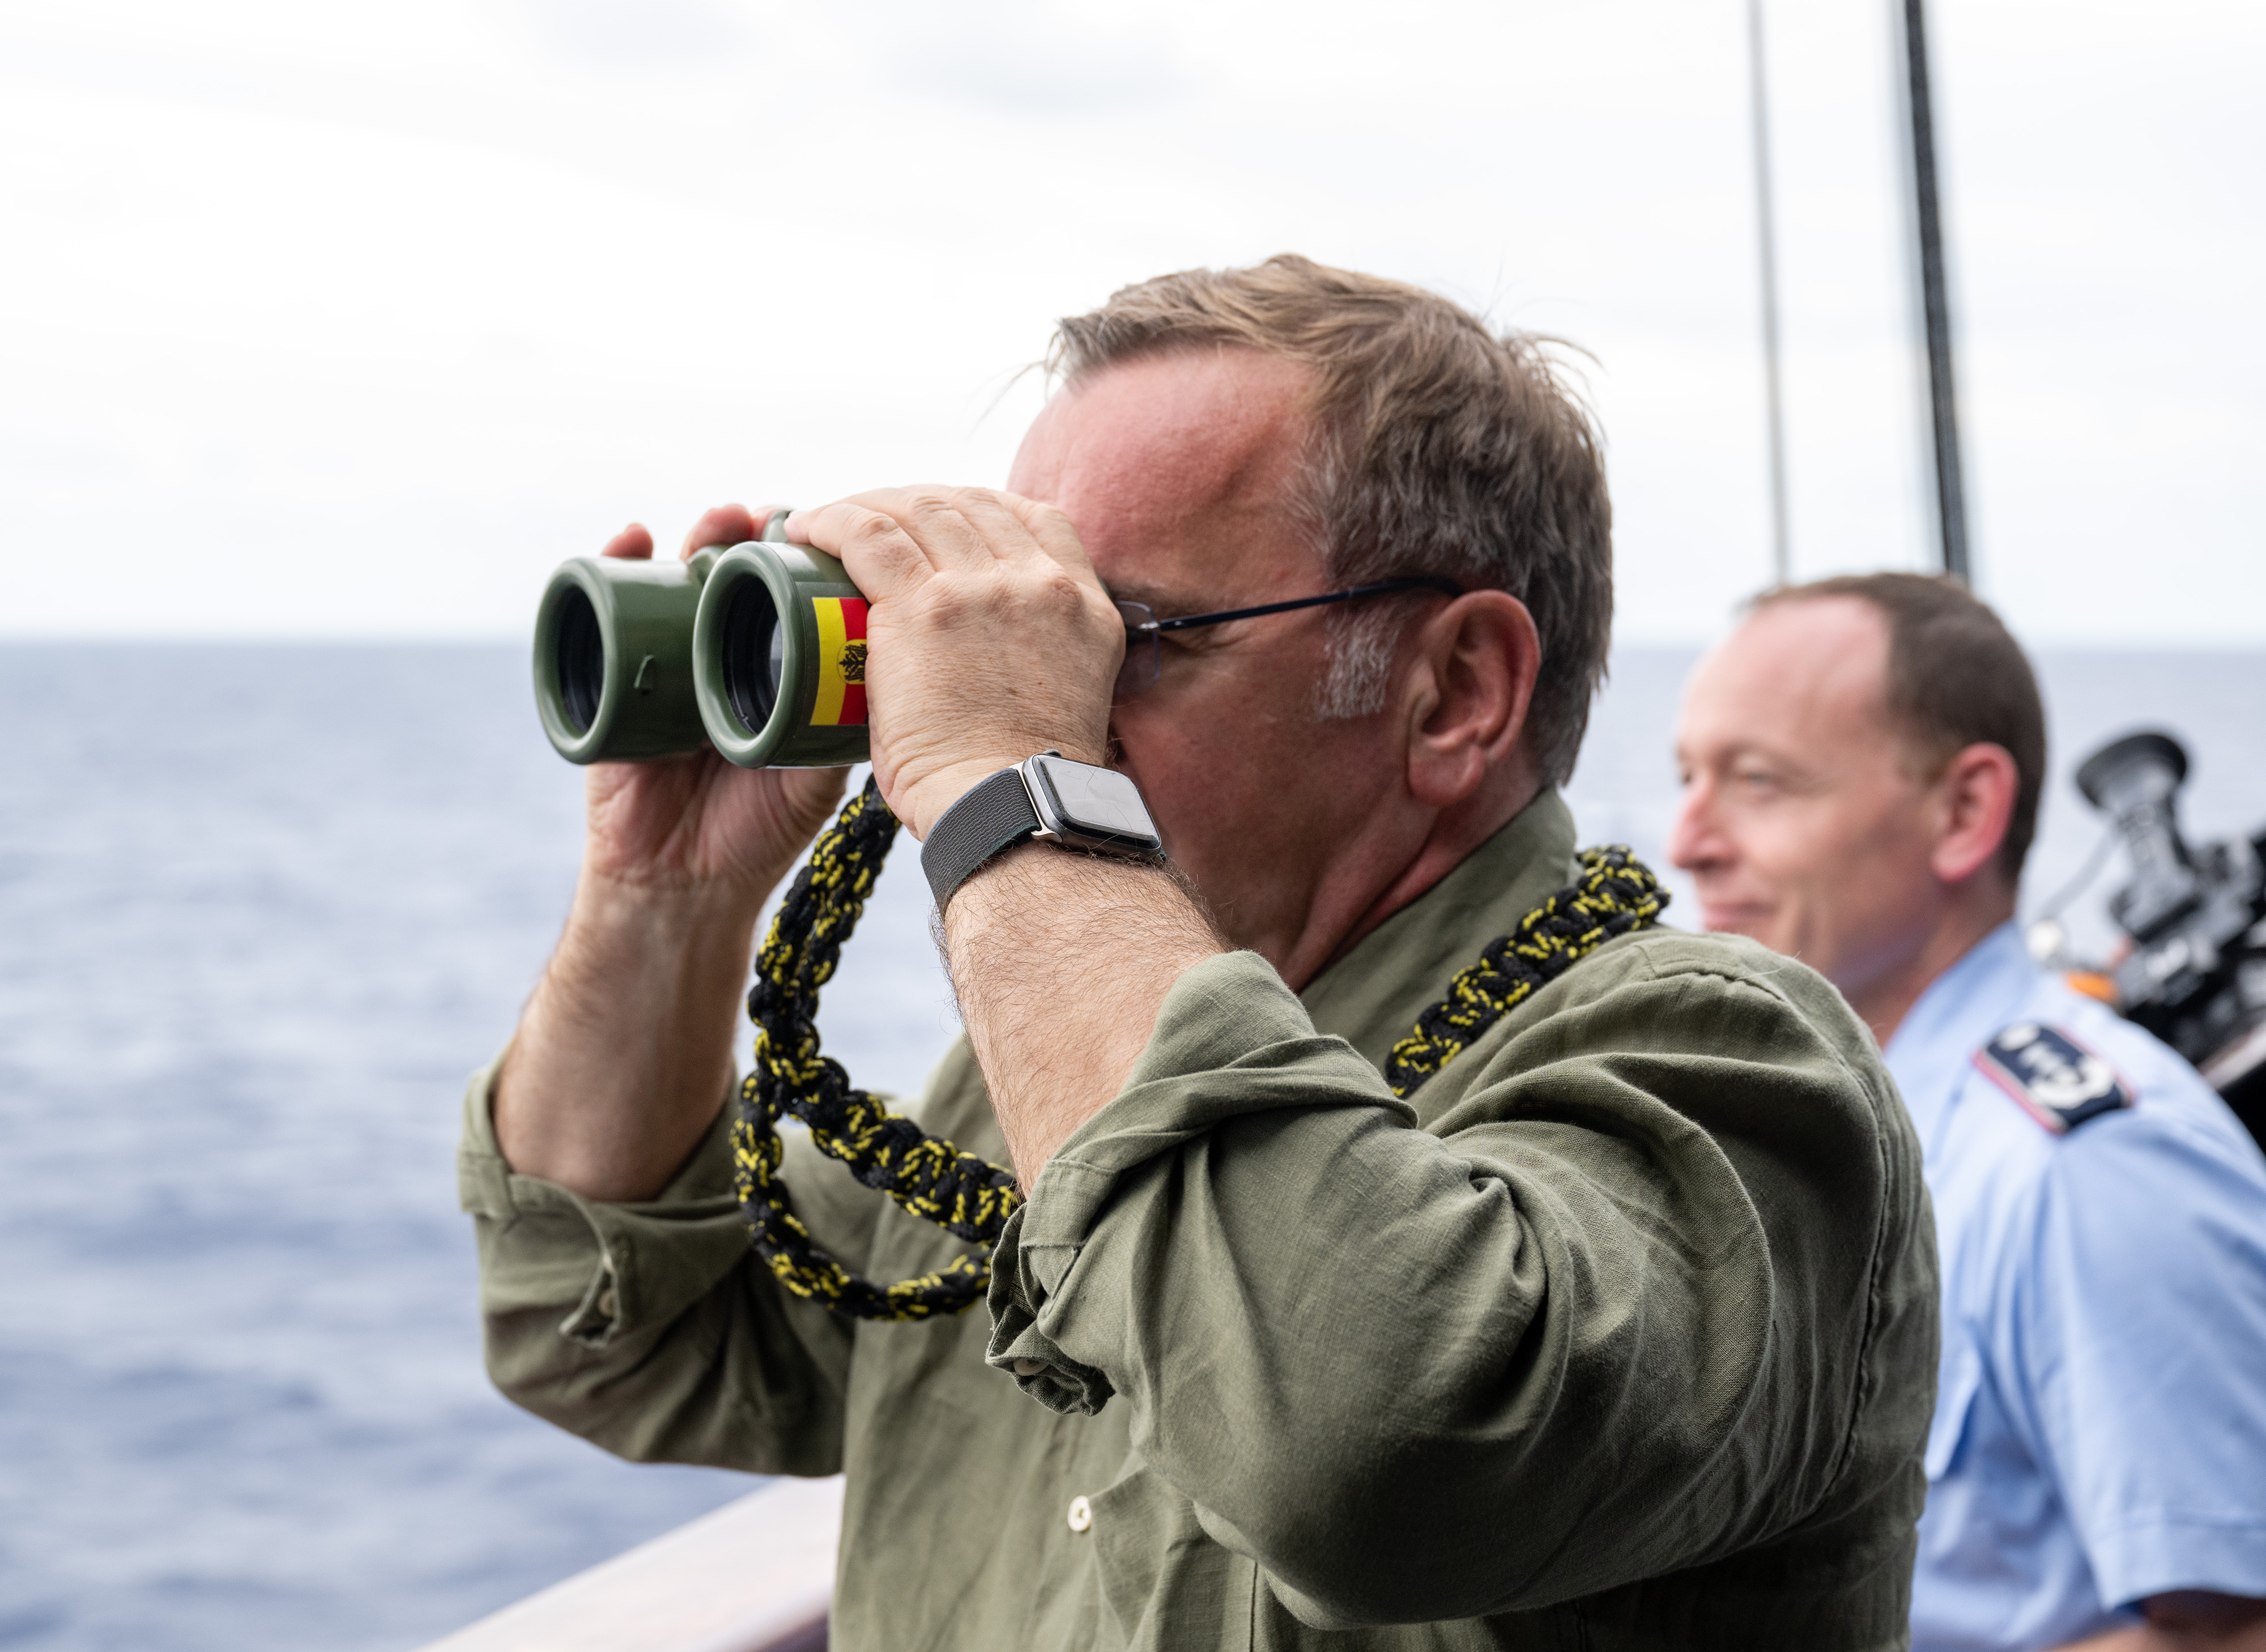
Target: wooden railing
<point>756,1575</point>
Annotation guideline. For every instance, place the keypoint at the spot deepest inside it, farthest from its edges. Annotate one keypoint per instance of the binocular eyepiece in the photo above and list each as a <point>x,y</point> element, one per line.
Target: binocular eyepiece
<point>757,649</point>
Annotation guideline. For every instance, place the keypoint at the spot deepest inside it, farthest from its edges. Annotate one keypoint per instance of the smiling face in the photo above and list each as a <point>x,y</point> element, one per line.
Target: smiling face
<point>1176,472</point>
<point>1807,821</point>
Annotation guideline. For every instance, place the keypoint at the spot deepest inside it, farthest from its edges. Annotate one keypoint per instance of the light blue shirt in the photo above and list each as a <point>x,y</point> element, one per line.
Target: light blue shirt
<point>2100,1433</point>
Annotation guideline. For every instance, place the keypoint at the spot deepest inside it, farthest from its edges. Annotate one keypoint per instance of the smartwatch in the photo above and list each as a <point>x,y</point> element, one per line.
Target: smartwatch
<point>1049,798</point>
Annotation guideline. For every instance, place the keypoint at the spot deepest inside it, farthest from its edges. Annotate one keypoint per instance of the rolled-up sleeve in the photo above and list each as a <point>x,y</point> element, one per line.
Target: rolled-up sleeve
<point>1601,1319</point>
<point>650,1329</point>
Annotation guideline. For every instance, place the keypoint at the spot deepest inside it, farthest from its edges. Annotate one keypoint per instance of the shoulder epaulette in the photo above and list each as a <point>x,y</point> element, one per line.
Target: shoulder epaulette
<point>2051,1077</point>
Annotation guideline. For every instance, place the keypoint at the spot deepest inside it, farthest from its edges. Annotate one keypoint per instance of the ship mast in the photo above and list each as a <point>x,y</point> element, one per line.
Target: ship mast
<point>1936,305</point>
<point>1781,566</point>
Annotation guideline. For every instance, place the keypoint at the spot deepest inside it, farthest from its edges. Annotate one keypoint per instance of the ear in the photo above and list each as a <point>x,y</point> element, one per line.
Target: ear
<point>1465,697</point>
<point>1975,797</point>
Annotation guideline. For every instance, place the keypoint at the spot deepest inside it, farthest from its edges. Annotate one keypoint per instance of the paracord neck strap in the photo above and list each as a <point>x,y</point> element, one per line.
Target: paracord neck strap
<point>967,1196</point>
<point>1616,894</point>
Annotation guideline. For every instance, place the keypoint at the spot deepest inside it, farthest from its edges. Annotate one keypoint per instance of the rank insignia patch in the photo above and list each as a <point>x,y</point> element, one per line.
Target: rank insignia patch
<point>2055,1079</point>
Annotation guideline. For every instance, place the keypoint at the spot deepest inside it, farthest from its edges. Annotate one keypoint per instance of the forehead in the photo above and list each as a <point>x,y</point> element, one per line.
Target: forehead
<point>1808,678</point>
<point>1177,469</point>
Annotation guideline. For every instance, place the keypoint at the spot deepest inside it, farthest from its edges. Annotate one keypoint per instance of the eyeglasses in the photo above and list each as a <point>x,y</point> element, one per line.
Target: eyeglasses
<point>1144,632</point>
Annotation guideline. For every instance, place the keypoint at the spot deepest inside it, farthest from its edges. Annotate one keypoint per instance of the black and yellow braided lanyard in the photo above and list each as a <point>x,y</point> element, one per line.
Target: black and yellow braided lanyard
<point>967,1197</point>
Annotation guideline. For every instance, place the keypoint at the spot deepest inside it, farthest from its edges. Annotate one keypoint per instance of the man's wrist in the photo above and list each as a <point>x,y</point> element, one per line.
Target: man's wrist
<point>939,790</point>
<point>1073,805</point>
<point>697,917</point>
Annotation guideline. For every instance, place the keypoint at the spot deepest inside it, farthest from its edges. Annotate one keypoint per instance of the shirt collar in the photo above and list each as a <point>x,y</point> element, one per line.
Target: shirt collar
<point>1372,996</point>
<point>1950,1020</point>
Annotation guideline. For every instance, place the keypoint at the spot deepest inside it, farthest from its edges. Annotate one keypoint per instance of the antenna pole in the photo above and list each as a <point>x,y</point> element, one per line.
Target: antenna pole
<point>1936,305</point>
<point>1781,564</point>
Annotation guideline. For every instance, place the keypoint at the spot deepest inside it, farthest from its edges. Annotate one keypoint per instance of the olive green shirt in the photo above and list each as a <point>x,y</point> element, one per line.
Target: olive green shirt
<point>1620,1334</point>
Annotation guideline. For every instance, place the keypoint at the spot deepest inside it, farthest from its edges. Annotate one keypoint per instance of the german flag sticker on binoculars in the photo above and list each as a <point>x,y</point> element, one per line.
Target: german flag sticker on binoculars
<point>841,660</point>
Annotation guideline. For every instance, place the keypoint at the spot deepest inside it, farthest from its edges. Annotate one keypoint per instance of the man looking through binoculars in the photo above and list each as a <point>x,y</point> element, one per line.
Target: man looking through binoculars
<point>1619,1329</point>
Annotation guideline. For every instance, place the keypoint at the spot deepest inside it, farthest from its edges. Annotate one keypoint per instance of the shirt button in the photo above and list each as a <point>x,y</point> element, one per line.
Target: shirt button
<point>607,1303</point>
<point>1081,1514</point>
<point>1029,1367</point>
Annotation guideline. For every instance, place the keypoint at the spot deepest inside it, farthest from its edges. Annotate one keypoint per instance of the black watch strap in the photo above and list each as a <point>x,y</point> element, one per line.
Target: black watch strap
<point>988,816</point>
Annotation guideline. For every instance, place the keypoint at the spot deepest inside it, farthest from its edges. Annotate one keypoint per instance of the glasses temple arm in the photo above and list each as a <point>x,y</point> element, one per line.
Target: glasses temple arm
<point>1446,587</point>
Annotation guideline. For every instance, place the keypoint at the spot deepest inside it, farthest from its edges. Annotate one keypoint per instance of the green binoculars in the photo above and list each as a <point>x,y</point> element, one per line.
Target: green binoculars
<point>757,649</point>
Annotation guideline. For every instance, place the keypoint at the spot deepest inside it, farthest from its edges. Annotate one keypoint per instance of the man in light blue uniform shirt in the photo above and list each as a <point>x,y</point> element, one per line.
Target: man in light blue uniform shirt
<point>1862,761</point>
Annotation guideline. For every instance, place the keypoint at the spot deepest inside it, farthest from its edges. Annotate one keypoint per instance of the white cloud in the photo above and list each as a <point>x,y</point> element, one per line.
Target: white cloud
<point>353,321</point>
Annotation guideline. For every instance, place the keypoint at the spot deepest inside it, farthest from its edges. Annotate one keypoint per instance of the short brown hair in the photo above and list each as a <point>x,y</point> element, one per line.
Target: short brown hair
<point>1438,447</point>
<point>1956,677</point>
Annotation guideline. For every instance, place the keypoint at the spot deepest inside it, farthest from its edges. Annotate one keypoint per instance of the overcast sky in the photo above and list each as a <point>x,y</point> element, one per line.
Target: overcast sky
<point>330,320</point>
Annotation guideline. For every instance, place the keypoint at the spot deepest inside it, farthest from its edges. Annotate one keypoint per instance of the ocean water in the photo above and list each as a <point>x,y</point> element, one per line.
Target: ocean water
<point>262,909</point>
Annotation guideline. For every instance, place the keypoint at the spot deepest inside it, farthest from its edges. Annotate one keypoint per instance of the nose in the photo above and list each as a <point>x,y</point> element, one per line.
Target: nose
<point>1694,841</point>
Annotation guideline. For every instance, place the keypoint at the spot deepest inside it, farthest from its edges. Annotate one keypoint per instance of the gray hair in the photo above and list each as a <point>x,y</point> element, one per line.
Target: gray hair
<point>1437,446</point>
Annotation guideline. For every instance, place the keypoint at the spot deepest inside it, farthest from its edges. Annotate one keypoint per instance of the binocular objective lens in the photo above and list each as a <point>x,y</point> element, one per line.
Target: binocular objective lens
<point>755,654</point>
<point>581,658</point>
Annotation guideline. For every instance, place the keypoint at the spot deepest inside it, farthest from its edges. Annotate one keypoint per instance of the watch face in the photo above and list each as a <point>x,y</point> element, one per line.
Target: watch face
<point>1100,801</point>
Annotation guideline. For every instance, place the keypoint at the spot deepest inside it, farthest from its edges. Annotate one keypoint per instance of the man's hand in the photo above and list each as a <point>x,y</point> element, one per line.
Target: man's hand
<point>695,820</point>
<point>624,1053</point>
<point>989,639</point>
